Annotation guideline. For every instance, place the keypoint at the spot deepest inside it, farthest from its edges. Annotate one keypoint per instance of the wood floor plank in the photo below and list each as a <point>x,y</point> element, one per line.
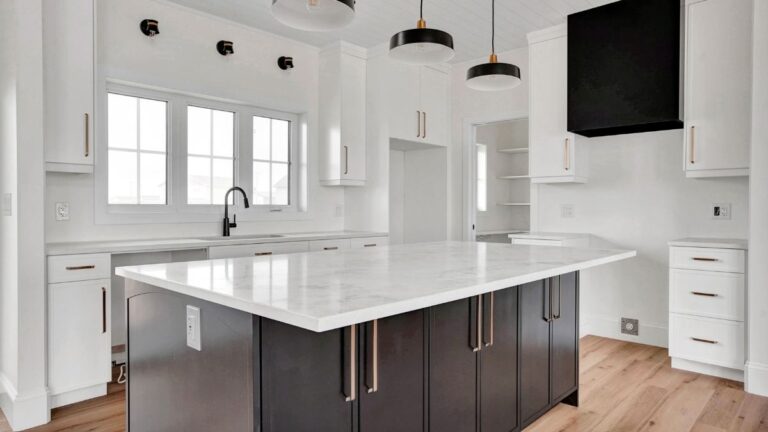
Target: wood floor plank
<point>723,407</point>
<point>752,416</point>
<point>683,407</point>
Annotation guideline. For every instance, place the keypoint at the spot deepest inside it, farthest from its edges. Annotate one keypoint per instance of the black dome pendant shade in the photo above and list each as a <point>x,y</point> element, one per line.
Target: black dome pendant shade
<point>421,45</point>
<point>493,75</point>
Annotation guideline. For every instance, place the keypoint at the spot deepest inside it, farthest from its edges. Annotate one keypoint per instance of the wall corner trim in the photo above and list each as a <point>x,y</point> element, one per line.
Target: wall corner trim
<point>23,411</point>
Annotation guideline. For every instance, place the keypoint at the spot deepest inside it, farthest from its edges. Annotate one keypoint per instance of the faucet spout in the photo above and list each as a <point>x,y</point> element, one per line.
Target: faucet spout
<point>227,224</point>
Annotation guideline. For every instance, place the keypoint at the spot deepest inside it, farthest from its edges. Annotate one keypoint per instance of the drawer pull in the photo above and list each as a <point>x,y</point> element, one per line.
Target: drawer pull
<point>705,259</point>
<point>262,253</point>
<point>349,361</point>
<point>103,310</point>
<point>83,267</point>
<point>704,341</point>
<point>331,248</point>
<point>370,245</point>
<point>703,294</point>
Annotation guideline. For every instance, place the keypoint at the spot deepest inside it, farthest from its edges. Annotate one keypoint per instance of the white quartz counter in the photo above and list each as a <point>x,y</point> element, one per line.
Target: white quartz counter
<point>323,291</point>
<point>155,245</point>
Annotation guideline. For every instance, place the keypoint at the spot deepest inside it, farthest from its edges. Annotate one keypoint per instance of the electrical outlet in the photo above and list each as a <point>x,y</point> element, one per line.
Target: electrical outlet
<point>566,211</point>
<point>193,328</point>
<point>630,326</point>
<point>721,211</point>
<point>62,211</point>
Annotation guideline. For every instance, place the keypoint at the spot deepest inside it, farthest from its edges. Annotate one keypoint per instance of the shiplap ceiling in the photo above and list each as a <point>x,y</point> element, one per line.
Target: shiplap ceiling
<point>469,21</point>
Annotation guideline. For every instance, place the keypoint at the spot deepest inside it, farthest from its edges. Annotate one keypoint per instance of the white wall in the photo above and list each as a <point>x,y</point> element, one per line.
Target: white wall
<point>472,106</point>
<point>638,198</point>
<point>183,57</point>
<point>757,314</point>
<point>396,196</point>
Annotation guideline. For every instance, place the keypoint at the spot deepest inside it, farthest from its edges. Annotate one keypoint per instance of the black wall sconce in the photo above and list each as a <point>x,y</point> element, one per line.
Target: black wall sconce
<point>285,63</point>
<point>150,27</point>
<point>225,48</point>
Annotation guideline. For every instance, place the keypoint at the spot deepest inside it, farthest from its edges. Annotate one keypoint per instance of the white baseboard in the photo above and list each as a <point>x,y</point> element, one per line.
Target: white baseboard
<point>707,369</point>
<point>81,394</point>
<point>23,411</point>
<point>756,378</point>
<point>648,333</point>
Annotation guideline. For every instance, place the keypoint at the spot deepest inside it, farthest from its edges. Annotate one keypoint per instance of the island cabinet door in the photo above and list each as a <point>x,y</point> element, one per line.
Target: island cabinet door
<point>391,385</point>
<point>305,378</point>
<point>535,317</point>
<point>498,362</point>
<point>565,336</point>
<point>453,345</point>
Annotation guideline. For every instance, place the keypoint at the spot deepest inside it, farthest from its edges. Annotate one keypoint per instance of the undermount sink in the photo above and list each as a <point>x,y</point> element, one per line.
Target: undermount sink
<point>244,237</point>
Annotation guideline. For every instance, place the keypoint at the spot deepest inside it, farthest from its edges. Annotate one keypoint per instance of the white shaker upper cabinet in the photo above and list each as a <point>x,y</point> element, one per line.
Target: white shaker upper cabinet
<point>342,115</point>
<point>68,73</point>
<point>718,87</point>
<point>418,104</point>
<point>556,155</point>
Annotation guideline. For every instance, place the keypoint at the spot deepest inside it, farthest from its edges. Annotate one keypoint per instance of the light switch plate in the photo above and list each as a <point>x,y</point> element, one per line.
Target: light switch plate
<point>721,211</point>
<point>62,211</point>
<point>7,204</point>
<point>193,328</point>
<point>567,211</point>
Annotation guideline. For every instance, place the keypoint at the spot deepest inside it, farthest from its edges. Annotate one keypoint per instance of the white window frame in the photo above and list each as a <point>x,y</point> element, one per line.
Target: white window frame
<point>176,209</point>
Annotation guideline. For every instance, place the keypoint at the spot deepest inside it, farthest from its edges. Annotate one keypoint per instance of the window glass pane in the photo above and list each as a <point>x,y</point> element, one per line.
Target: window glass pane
<point>261,134</point>
<point>482,177</point>
<point>152,125</point>
<point>198,131</point>
<point>121,181</point>
<point>280,140</point>
<point>223,133</point>
<point>261,183</point>
<point>122,121</point>
<point>198,180</point>
<point>222,179</point>
<point>279,184</point>
<point>152,178</point>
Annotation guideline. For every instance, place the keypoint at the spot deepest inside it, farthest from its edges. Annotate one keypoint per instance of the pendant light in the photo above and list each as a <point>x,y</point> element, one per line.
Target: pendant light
<point>493,75</point>
<point>421,45</point>
<point>314,15</point>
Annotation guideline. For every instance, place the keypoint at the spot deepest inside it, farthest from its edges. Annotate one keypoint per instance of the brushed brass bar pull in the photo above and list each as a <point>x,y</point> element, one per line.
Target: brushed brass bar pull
<point>370,245</point>
<point>692,149</point>
<point>567,155</point>
<point>705,259</point>
<point>103,310</point>
<point>82,267</point>
<point>262,253</point>
<point>488,321</point>
<point>547,303</point>
<point>350,374</point>
<point>87,135</point>
<point>418,124</point>
<point>479,322</point>
<point>703,294</point>
<point>331,248</point>
<point>424,125</point>
<point>372,357</point>
<point>556,316</point>
<point>475,323</point>
<point>346,160</point>
<point>704,341</point>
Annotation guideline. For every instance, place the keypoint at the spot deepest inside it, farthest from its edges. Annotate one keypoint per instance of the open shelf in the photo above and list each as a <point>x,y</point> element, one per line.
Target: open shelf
<point>513,177</point>
<point>515,150</point>
<point>511,204</point>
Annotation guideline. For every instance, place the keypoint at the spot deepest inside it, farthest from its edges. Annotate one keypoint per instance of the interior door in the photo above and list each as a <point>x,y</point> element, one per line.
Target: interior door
<point>535,314</point>
<point>303,379</point>
<point>498,362</point>
<point>565,336</point>
<point>453,366</point>
<point>392,374</point>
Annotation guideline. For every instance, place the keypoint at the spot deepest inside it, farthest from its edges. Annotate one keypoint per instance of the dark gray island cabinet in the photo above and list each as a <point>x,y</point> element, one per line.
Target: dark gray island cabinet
<point>491,363</point>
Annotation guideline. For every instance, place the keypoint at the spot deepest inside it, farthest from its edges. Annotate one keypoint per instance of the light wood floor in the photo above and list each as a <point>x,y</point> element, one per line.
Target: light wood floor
<point>624,387</point>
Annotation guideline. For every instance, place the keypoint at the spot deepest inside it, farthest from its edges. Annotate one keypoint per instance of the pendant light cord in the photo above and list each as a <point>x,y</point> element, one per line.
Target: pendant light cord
<point>493,26</point>
<point>421,9</point>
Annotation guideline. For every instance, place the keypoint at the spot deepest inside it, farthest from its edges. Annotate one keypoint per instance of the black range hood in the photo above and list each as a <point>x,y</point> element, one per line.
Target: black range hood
<point>624,68</point>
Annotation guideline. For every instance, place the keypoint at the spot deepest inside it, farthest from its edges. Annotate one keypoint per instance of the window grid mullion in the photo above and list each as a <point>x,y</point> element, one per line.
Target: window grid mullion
<point>210,158</point>
<point>271,157</point>
<point>138,151</point>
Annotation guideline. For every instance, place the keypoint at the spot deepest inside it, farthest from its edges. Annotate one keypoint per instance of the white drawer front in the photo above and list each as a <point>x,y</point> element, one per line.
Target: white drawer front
<point>69,268</point>
<point>329,245</point>
<point>368,242</point>
<point>707,294</point>
<point>237,251</point>
<point>537,242</point>
<point>707,340</point>
<point>710,259</point>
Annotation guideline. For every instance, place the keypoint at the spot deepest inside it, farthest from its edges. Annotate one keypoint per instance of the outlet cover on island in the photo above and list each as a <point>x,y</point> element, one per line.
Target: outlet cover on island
<point>193,328</point>
<point>62,211</point>
<point>566,211</point>
<point>721,211</point>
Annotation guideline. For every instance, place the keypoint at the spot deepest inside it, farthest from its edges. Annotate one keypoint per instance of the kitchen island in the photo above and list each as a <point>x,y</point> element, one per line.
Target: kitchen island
<point>446,336</point>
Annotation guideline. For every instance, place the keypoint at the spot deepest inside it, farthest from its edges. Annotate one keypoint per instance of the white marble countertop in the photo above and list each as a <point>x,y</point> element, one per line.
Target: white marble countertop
<point>707,242</point>
<point>548,235</point>
<point>323,291</point>
<point>202,242</point>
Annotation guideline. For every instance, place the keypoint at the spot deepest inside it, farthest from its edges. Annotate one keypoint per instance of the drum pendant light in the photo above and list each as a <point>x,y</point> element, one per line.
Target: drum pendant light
<point>314,15</point>
<point>493,75</point>
<point>421,45</point>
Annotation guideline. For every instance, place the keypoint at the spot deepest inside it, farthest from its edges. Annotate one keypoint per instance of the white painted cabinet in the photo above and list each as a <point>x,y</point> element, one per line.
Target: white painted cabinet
<point>718,87</point>
<point>555,155</point>
<point>368,242</point>
<point>68,74</point>
<point>418,104</point>
<point>235,251</point>
<point>329,245</point>
<point>342,115</point>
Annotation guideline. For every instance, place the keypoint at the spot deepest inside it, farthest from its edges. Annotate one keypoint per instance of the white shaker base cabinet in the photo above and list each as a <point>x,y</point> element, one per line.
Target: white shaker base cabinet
<point>706,310</point>
<point>718,87</point>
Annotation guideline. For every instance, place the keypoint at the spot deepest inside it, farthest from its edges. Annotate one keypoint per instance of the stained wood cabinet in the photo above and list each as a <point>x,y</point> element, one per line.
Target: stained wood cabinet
<point>718,87</point>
